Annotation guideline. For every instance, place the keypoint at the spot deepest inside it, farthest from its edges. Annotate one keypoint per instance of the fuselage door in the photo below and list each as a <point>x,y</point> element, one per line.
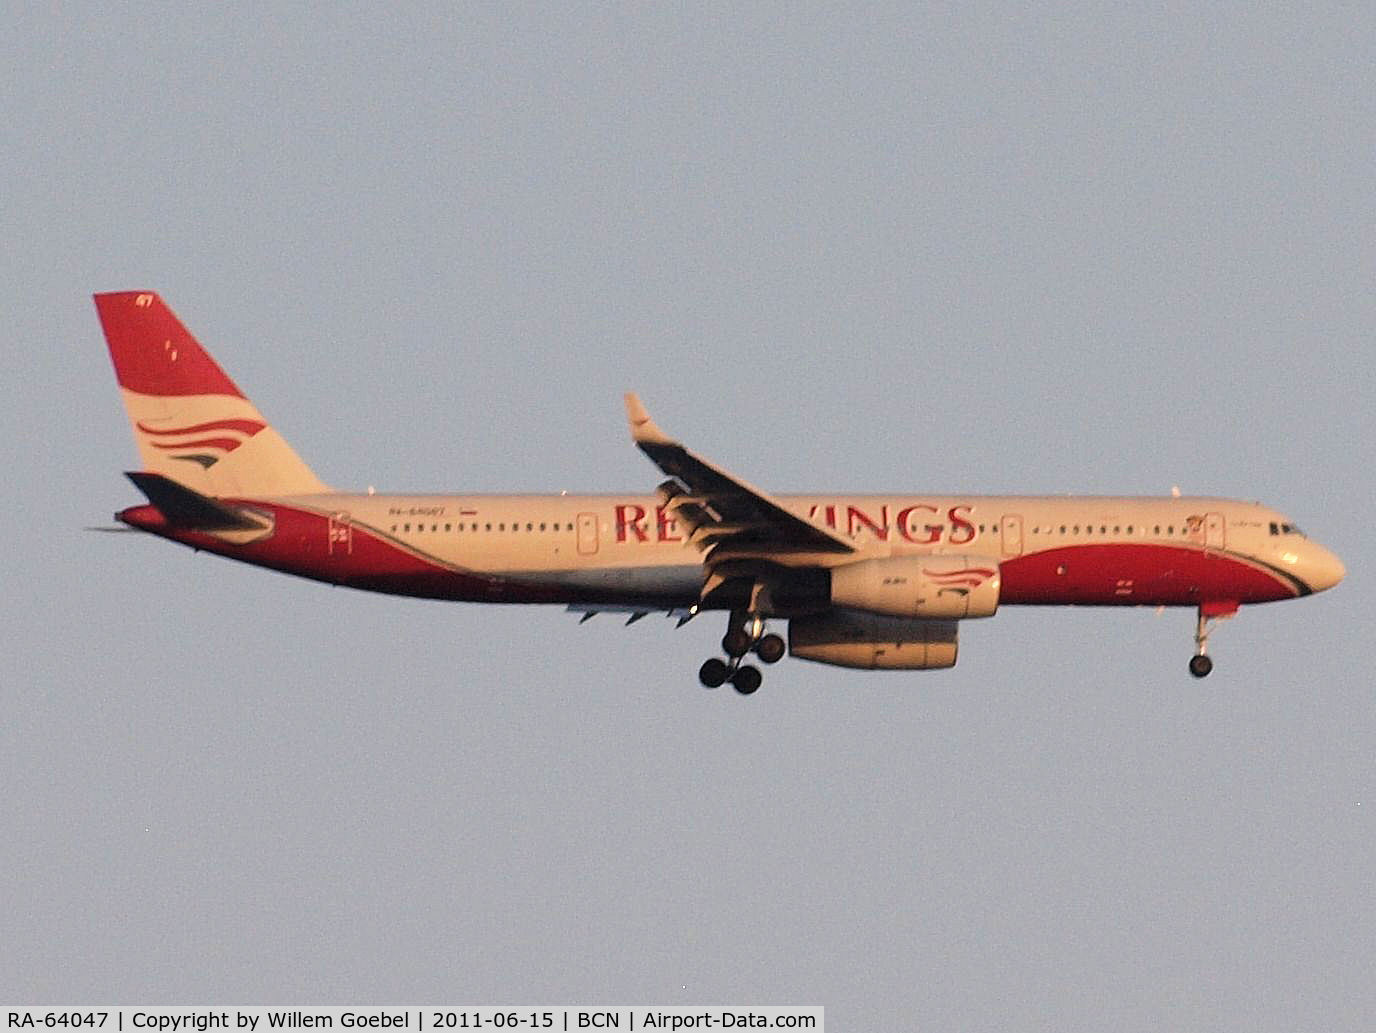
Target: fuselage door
<point>587,534</point>
<point>339,538</point>
<point>1215,537</point>
<point>1010,531</point>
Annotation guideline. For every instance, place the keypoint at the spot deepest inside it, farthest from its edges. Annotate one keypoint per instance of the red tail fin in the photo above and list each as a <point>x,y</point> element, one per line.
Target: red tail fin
<point>153,353</point>
<point>191,423</point>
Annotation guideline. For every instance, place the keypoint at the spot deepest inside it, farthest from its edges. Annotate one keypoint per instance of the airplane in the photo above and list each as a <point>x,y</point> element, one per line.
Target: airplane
<point>875,581</point>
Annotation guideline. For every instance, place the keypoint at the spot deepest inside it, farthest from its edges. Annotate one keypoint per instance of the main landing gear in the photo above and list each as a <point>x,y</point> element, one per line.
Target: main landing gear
<point>1200,663</point>
<point>744,634</point>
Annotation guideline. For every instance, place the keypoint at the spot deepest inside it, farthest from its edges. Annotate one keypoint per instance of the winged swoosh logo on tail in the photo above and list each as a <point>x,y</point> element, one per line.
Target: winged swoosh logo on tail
<point>203,443</point>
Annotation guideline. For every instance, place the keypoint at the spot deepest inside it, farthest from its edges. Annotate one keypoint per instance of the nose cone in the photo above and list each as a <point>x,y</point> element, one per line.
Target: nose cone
<point>1324,569</point>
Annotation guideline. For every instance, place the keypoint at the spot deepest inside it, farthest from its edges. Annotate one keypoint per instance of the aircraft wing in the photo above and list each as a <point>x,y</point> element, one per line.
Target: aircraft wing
<point>716,508</point>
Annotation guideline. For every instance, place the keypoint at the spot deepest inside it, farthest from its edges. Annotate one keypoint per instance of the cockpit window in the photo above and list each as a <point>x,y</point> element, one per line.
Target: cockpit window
<point>1286,529</point>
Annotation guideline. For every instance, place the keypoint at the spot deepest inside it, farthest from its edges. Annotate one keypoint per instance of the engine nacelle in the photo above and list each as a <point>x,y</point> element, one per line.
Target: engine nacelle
<point>866,640</point>
<point>939,587</point>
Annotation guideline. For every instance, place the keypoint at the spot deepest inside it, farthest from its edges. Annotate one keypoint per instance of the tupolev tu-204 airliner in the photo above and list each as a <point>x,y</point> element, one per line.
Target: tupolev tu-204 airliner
<point>866,581</point>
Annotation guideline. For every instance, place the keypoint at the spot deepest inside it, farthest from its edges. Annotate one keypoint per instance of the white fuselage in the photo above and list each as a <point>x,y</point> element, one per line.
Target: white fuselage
<point>629,544</point>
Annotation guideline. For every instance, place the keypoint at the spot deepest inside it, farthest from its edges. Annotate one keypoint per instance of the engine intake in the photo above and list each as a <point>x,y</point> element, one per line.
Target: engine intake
<point>939,587</point>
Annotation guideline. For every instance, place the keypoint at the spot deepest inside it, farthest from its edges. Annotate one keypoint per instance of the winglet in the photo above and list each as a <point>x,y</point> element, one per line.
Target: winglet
<point>643,429</point>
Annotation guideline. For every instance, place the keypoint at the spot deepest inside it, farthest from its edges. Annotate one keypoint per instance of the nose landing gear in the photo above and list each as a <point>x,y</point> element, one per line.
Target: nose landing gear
<point>1200,663</point>
<point>744,634</point>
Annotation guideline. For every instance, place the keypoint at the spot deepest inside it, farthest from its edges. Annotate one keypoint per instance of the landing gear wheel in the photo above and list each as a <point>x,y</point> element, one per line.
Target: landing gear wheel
<point>1209,614</point>
<point>736,643</point>
<point>746,679</point>
<point>771,649</point>
<point>713,673</point>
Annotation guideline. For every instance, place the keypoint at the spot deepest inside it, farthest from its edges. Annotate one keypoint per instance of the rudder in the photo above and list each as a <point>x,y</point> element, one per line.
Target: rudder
<point>190,422</point>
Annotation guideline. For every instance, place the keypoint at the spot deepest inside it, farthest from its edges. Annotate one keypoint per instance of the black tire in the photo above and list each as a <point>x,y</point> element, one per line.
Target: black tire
<point>771,649</point>
<point>1200,666</point>
<point>746,679</point>
<point>713,673</point>
<point>735,643</point>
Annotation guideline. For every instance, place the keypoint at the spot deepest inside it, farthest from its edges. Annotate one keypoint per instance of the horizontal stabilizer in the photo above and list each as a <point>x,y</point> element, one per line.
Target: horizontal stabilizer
<point>189,509</point>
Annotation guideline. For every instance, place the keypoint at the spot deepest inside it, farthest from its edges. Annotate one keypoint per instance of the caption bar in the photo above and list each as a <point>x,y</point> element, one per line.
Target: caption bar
<point>432,1019</point>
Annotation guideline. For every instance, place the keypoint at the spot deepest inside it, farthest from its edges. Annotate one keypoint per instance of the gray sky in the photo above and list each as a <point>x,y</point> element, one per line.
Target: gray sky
<point>1031,248</point>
